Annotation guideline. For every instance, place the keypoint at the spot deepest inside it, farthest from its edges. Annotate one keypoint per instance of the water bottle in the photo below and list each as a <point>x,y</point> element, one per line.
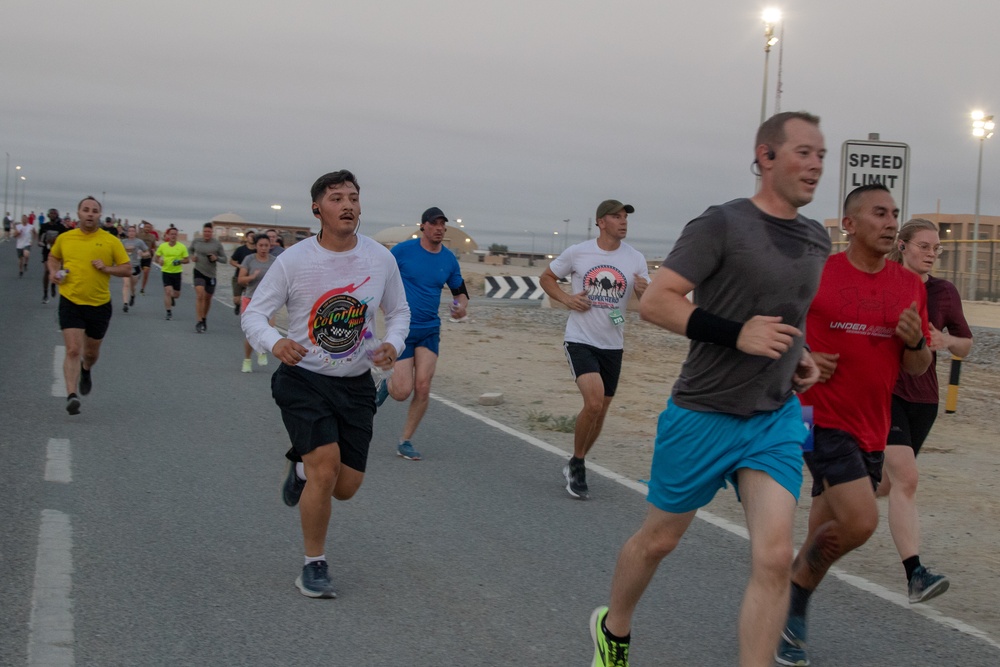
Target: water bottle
<point>176,262</point>
<point>454,308</point>
<point>371,344</point>
<point>61,274</point>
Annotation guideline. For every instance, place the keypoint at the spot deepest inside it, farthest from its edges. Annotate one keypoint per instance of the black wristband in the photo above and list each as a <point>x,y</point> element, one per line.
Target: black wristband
<point>919,346</point>
<point>708,328</point>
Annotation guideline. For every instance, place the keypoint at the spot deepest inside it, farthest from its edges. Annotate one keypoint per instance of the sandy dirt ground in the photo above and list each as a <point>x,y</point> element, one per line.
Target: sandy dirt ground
<point>518,351</point>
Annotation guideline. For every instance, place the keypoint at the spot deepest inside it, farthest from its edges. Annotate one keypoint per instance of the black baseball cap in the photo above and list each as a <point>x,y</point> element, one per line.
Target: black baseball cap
<point>431,214</point>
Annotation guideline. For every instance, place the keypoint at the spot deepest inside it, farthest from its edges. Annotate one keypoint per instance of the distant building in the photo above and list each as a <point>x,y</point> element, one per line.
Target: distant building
<point>231,228</point>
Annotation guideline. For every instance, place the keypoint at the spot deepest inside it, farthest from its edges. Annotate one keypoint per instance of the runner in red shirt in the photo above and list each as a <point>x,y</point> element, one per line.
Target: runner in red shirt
<point>868,321</point>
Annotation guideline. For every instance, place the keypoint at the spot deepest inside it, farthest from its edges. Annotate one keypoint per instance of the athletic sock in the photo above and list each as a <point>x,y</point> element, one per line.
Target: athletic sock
<point>73,395</point>
<point>615,638</point>
<point>799,602</point>
<point>911,564</point>
<point>310,559</point>
<point>300,468</point>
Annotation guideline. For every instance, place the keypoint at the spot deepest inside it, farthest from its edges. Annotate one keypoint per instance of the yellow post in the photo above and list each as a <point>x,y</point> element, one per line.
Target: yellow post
<point>951,400</point>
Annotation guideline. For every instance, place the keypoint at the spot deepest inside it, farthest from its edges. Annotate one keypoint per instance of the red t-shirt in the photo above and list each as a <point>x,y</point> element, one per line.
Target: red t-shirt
<point>855,314</point>
<point>944,311</point>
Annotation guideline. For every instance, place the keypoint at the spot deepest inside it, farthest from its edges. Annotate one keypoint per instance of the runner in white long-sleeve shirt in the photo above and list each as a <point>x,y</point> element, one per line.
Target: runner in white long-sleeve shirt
<point>331,284</point>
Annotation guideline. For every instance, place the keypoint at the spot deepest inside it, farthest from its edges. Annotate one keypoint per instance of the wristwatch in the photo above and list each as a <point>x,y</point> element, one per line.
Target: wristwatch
<point>919,346</point>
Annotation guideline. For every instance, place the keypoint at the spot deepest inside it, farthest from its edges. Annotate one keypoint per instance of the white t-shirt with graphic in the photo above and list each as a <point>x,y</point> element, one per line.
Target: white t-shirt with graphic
<point>609,278</point>
<point>331,299</point>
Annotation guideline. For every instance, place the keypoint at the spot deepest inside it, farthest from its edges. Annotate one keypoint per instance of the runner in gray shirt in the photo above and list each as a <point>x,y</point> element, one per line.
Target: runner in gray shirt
<point>206,253</point>
<point>251,272</point>
<point>754,266</point>
<point>137,250</point>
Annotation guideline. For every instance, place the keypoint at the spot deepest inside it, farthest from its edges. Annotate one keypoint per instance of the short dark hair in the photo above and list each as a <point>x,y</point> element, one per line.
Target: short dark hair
<point>857,192</point>
<point>90,198</point>
<point>327,181</point>
<point>208,225</point>
<point>771,133</point>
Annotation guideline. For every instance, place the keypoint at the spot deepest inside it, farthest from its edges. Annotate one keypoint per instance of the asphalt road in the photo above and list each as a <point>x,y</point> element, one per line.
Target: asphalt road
<point>166,542</point>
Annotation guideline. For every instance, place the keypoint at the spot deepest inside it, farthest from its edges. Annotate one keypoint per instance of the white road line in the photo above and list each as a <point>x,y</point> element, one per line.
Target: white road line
<point>57,461</point>
<point>50,630</point>
<point>736,529</point>
<point>58,379</point>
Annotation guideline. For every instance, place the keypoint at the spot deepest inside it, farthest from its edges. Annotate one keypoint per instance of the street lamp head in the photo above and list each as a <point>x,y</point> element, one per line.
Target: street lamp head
<point>276,207</point>
<point>982,125</point>
<point>771,15</point>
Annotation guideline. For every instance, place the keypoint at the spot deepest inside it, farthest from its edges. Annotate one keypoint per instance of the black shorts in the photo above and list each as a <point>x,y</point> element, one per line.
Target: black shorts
<point>136,270</point>
<point>145,262</point>
<point>94,320</point>
<point>837,459</point>
<point>319,409</point>
<point>45,254</point>
<point>172,280</point>
<point>201,280</point>
<point>911,423</point>
<point>589,359</point>
<point>21,252</point>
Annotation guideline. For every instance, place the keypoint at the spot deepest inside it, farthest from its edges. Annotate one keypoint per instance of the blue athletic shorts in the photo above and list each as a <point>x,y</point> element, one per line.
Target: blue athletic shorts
<point>696,453</point>
<point>429,338</point>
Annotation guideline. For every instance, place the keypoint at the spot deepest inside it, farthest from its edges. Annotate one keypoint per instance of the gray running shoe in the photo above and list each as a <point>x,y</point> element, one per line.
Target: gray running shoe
<point>792,648</point>
<point>73,405</point>
<point>925,585</point>
<point>314,582</point>
<point>381,392</point>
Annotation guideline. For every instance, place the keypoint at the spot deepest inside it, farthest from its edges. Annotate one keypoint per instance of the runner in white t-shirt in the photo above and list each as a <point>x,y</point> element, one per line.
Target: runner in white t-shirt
<point>24,234</point>
<point>604,274</point>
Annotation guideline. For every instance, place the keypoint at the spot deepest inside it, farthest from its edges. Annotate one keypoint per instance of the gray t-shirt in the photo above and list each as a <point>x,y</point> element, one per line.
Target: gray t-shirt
<point>251,263</point>
<point>745,263</point>
<point>200,249</point>
<point>134,247</point>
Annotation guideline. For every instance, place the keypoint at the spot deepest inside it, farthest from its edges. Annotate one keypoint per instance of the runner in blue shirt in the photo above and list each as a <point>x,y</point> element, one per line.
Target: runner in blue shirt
<point>425,266</point>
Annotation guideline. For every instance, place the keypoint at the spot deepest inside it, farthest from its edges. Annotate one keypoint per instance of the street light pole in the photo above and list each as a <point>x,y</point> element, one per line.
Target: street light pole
<point>24,186</point>
<point>17,177</point>
<point>6,184</point>
<point>982,128</point>
<point>770,16</point>
<point>276,207</point>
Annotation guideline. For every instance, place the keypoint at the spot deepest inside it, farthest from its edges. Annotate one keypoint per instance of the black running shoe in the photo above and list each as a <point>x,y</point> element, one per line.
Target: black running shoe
<point>169,314</point>
<point>73,405</point>
<point>131,299</point>
<point>199,327</point>
<point>925,585</point>
<point>291,490</point>
<point>125,307</point>
<point>86,384</point>
<point>236,309</point>
<point>576,479</point>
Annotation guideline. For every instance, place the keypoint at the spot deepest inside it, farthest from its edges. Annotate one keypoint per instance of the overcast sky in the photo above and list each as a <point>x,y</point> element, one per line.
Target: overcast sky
<point>511,115</point>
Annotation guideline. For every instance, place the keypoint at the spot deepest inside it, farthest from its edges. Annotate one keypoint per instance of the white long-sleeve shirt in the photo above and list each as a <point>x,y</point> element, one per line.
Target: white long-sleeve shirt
<point>331,299</point>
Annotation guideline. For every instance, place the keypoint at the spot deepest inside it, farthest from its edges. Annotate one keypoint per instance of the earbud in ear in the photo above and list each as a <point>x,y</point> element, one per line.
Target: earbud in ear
<point>315,210</point>
<point>902,247</point>
<point>770,154</point>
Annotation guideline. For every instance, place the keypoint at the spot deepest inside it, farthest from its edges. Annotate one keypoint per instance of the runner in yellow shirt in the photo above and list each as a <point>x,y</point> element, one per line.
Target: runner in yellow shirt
<point>82,262</point>
<point>171,255</point>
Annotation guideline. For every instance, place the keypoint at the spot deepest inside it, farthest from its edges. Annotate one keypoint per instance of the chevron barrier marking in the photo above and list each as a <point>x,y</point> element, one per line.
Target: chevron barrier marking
<point>514,287</point>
